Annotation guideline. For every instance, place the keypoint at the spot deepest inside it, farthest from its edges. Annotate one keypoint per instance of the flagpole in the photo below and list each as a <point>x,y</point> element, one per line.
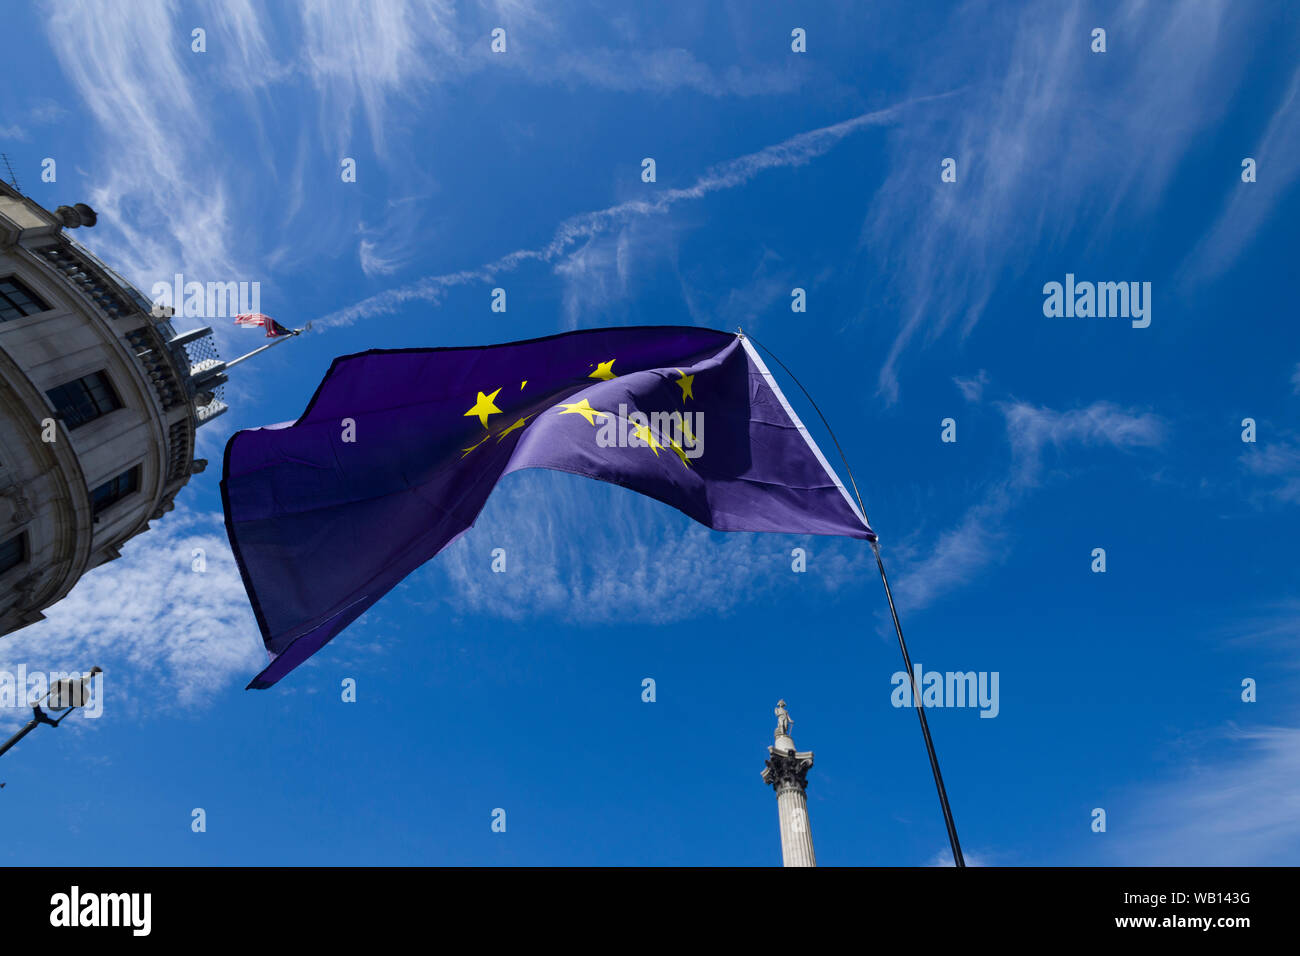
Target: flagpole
<point>957,857</point>
<point>281,338</point>
<point>920,713</point>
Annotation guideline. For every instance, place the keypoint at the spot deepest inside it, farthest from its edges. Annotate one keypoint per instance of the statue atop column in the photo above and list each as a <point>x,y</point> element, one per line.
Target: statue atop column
<point>783,720</point>
<point>786,771</point>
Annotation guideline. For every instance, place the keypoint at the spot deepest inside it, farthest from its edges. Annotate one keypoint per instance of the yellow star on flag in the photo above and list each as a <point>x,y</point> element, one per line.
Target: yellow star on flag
<point>643,432</point>
<point>484,407</point>
<point>518,424</point>
<point>604,371</point>
<point>582,408</point>
<point>686,383</point>
<point>686,429</point>
<point>681,452</point>
<point>466,451</point>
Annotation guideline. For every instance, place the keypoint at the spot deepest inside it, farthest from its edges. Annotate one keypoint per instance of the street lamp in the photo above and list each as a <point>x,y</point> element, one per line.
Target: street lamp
<point>65,696</point>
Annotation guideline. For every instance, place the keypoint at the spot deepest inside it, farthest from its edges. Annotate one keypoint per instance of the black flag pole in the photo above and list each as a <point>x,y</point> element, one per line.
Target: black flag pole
<point>920,711</point>
<point>958,859</point>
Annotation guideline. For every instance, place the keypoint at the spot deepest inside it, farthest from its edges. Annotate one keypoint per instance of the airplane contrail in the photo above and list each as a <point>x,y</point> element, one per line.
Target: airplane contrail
<point>795,151</point>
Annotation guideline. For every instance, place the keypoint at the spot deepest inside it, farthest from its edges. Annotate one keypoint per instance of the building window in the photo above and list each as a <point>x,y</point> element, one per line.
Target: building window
<point>16,300</point>
<point>13,552</point>
<point>114,490</point>
<point>84,400</point>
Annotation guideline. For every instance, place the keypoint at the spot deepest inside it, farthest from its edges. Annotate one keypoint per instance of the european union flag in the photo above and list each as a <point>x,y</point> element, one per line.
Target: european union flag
<point>398,451</point>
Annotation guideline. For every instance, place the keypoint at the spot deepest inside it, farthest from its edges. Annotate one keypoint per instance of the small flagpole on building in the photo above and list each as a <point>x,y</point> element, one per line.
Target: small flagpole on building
<point>207,375</point>
<point>958,859</point>
<point>278,339</point>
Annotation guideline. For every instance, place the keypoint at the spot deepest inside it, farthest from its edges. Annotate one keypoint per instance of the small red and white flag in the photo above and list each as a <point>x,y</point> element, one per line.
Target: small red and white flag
<point>273,328</point>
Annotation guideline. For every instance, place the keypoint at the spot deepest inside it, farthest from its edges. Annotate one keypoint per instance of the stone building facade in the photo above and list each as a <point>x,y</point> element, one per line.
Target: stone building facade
<point>100,401</point>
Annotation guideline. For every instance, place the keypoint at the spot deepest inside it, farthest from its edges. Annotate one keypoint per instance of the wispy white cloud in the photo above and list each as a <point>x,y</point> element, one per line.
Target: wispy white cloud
<point>633,559</point>
<point>962,552</point>
<point>1232,798</point>
<point>375,63</point>
<point>1276,462</point>
<point>46,111</point>
<point>167,636</point>
<point>595,274</point>
<point>153,138</point>
<point>1031,429</point>
<point>241,40</point>
<point>795,151</point>
<point>389,246</point>
<point>972,388</point>
<point>942,257</point>
<point>1243,217</point>
<point>957,555</point>
<point>165,198</point>
<point>373,264</point>
<point>656,71</point>
<point>1275,627</point>
<point>161,177</point>
<point>42,113</point>
<point>364,57</point>
<point>767,284</point>
<point>1242,809</point>
<point>542,48</point>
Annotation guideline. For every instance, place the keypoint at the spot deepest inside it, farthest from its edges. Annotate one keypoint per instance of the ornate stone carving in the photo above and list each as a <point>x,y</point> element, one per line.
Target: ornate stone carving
<point>22,509</point>
<point>787,769</point>
<point>15,504</point>
<point>165,505</point>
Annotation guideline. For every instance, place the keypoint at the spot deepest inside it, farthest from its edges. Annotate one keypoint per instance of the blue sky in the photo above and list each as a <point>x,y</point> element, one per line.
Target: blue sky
<point>775,170</point>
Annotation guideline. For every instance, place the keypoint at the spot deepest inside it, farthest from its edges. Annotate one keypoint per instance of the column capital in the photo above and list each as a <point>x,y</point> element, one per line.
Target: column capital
<point>787,768</point>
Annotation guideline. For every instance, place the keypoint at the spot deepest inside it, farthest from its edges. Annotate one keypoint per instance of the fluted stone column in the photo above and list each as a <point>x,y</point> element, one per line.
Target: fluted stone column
<point>787,772</point>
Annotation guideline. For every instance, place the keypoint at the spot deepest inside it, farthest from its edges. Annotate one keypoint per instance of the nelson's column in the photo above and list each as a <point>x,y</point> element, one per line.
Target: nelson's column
<point>787,772</point>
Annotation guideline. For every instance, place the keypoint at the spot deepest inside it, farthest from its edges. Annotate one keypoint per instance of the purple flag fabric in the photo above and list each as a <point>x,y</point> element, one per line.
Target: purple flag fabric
<point>398,451</point>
